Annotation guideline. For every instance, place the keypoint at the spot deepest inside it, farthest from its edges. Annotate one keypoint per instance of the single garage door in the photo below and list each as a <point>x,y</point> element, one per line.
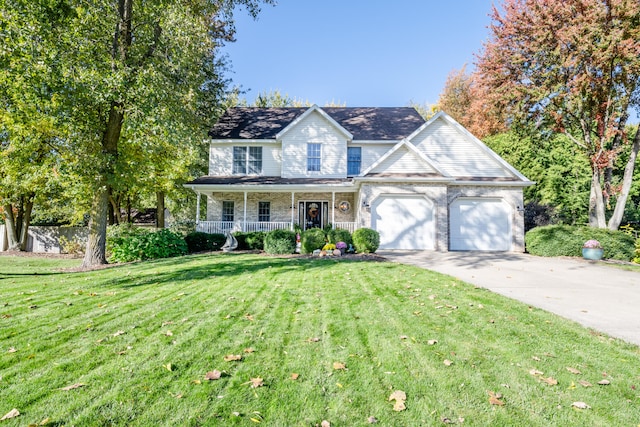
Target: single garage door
<point>479,225</point>
<point>404,222</point>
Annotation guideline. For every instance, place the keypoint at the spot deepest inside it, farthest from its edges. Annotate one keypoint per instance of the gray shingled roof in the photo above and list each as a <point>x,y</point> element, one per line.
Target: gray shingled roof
<point>364,123</point>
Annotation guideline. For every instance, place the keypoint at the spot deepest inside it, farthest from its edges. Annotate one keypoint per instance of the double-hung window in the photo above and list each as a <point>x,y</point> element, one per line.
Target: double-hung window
<point>354,159</point>
<point>247,160</point>
<point>264,211</point>
<point>313,157</point>
<point>227,211</point>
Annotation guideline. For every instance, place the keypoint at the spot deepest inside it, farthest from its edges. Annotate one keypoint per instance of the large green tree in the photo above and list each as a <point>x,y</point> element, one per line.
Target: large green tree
<point>571,67</point>
<point>130,77</point>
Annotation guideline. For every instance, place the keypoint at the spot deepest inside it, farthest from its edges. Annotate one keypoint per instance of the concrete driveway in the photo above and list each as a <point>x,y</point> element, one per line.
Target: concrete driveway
<point>597,296</point>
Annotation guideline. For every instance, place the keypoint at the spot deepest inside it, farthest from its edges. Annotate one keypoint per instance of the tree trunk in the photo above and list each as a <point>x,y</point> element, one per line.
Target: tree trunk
<point>160,209</point>
<point>95,253</point>
<point>596,202</point>
<point>26,220</point>
<point>13,243</point>
<point>627,180</point>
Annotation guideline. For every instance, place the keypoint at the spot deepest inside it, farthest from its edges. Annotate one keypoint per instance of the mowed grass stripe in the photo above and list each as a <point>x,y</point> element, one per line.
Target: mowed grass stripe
<point>375,317</point>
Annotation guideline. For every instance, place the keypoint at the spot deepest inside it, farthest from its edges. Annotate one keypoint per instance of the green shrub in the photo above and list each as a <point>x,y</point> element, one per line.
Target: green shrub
<point>339,235</point>
<point>636,258</point>
<point>566,240</point>
<point>366,240</point>
<point>280,242</point>
<point>134,243</point>
<point>198,241</point>
<point>312,239</point>
<point>250,241</point>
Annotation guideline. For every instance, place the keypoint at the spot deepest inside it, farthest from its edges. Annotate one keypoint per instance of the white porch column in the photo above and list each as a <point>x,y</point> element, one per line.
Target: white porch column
<point>244,219</point>
<point>198,208</point>
<point>333,208</point>
<point>293,205</point>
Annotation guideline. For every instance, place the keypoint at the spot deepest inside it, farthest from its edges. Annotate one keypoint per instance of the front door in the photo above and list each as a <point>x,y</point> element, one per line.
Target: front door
<point>313,214</point>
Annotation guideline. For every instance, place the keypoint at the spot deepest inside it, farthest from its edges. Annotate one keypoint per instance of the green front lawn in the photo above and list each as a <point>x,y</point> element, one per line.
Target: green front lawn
<point>137,341</point>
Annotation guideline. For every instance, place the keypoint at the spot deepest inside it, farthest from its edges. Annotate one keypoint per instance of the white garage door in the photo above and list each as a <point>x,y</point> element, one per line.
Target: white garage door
<point>479,225</point>
<point>404,222</point>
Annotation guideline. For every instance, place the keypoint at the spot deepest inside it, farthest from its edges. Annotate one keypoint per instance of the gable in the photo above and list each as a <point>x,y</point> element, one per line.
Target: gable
<point>402,161</point>
<point>457,153</point>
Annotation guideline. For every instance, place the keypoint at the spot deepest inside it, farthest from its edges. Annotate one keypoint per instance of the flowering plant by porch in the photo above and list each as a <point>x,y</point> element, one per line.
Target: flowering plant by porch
<point>341,245</point>
<point>592,244</point>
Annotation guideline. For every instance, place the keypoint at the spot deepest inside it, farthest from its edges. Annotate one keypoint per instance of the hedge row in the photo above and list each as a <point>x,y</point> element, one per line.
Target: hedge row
<point>566,240</point>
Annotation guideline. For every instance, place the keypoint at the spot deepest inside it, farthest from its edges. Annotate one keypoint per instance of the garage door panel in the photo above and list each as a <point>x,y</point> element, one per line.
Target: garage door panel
<point>481,225</point>
<point>404,222</point>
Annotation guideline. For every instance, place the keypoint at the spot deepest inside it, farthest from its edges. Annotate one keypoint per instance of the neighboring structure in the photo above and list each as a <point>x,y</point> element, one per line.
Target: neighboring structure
<point>421,185</point>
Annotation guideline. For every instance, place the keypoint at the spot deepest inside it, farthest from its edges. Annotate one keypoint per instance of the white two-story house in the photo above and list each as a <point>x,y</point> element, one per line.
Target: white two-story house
<point>421,184</point>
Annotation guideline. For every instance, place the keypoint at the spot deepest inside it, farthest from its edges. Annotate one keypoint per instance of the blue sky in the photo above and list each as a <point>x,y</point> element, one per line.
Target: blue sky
<point>359,52</point>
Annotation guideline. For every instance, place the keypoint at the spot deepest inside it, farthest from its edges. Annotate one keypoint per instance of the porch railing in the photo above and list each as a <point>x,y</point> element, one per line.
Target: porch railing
<point>212,227</point>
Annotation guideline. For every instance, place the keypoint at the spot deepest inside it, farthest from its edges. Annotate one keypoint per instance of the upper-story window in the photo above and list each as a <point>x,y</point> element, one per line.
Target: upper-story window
<point>313,157</point>
<point>354,159</point>
<point>247,160</point>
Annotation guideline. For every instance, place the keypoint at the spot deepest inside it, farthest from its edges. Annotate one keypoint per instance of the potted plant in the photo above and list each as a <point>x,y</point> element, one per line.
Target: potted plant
<point>342,246</point>
<point>592,249</point>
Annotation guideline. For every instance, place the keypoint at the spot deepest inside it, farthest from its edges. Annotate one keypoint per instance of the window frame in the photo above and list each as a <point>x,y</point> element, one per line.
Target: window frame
<point>246,160</point>
<point>352,162</point>
<point>314,157</point>
<point>228,211</point>
<point>264,211</point>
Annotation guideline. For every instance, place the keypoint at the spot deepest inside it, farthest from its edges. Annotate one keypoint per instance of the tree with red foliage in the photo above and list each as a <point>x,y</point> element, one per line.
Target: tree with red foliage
<point>571,67</point>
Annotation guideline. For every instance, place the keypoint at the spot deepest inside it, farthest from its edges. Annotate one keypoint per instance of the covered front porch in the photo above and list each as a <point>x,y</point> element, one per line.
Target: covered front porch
<point>250,208</point>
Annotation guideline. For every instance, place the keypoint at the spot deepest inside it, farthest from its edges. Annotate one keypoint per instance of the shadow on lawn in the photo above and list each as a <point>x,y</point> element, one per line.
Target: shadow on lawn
<point>197,267</point>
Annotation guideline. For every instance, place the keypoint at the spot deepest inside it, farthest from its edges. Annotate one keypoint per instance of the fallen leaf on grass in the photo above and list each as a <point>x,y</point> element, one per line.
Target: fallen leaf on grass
<point>314,339</point>
<point>213,375</point>
<point>604,382</point>
<point>248,350</point>
<point>168,367</point>
<point>232,357</point>
<point>339,366</point>
<point>535,372</point>
<point>447,362</point>
<point>44,422</point>
<point>168,333</point>
<point>403,337</point>
<point>494,398</point>
<point>550,380</point>
<point>585,383</point>
<point>372,420</point>
<point>248,317</point>
<point>580,405</point>
<point>536,358</point>
<point>573,370</point>
<point>118,333</point>
<point>72,386</point>
<point>400,397</point>
<point>295,376</point>
<point>325,423</point>
<point>256,382</point>
<point>11,414</point>
<point>432,342</point>
<point>12,350</point>
<point>166,323</point>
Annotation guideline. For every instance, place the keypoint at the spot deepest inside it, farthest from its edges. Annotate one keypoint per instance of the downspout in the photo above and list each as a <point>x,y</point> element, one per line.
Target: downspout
<point>244,225</point>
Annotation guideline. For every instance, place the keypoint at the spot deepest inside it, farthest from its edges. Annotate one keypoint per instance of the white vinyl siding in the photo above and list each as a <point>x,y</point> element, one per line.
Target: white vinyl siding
<point>403,161</point>
<point>455,153</point>
<point>314,129</point>
<point>221,159</point>
<point>371,153</point>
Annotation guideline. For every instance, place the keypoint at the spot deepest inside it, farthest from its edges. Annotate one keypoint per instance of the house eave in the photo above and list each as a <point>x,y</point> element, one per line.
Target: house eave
<point>240,141</point>
<point>488,183</point>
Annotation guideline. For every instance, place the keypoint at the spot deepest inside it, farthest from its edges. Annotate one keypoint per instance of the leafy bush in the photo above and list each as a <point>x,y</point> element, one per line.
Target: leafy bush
<point>198,241</point>
<point>126,243</point>
<point>566,240</point>
<point>250,241</point>
<point>636,258</point>
<point>71,246</point>
<point>280,242</point>
<point>366,240</point>
<point>339,235</point>
<point>312,239</point>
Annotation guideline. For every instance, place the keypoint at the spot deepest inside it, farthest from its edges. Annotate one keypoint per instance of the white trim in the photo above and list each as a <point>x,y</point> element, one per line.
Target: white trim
<point>304,115</point>
<point>241,141</point>
<point>261,188</point>
<point>413,149</point>
<point>493,183</point>
<point>375,141</point>
<point>461,129</point>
